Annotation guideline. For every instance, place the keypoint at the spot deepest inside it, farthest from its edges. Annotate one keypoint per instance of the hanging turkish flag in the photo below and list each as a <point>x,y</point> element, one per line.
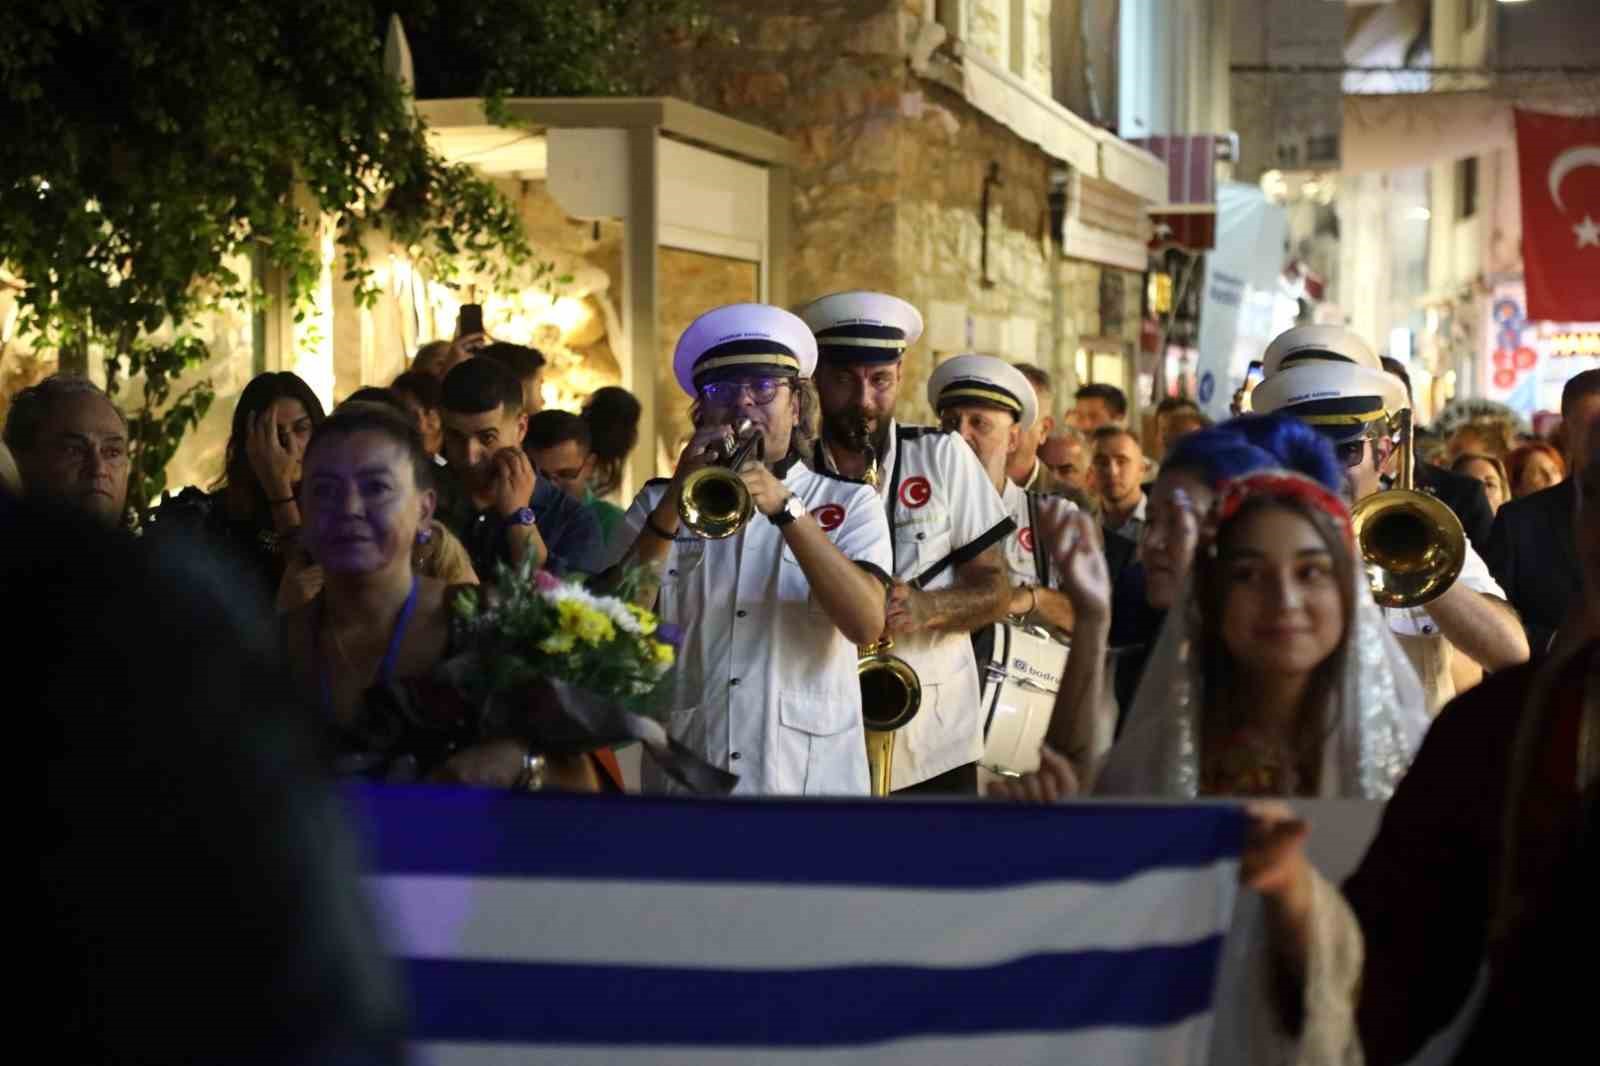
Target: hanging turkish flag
<point>1558,159</point>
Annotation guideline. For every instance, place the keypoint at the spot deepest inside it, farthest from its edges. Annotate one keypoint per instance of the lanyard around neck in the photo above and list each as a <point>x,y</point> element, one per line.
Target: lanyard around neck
<point>391,654</point>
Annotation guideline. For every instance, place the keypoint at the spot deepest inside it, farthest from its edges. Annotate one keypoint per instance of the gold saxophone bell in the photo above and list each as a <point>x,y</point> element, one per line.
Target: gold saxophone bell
<point>1413,545</point>
<point>891,695</point>
<point>713,501</point>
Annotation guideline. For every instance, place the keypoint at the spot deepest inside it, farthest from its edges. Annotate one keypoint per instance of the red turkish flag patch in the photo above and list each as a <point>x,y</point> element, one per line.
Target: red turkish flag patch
<point>1558,160</point>
<point>830,516</point>
<point>1025,538</point>
<point>915,492</point>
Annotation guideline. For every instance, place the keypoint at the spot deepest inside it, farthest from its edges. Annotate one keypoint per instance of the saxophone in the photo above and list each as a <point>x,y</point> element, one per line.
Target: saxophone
<point>891,693</point>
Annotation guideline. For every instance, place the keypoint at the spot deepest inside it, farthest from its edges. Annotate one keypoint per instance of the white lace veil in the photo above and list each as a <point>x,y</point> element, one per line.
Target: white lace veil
<point>1377,704</point>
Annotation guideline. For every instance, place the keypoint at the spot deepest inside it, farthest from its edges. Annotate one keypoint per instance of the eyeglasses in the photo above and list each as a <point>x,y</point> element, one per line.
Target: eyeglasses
<point>1351,451</point>
<point>727,393</point>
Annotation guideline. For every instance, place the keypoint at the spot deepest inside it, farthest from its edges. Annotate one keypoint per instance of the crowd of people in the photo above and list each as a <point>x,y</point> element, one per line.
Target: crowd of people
<point>1215,607</point>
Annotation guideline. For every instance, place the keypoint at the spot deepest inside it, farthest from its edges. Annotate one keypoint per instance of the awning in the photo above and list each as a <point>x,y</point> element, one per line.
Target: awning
<point>1192,227</point>
<point>1188,218</point>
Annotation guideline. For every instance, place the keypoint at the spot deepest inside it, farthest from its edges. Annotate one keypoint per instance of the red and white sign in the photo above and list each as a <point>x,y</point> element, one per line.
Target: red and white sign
<point>1558,159</point>
<point>1025,538</point>
<point>915,492</point>
<point>1526,363</point>
<point>830,516</point>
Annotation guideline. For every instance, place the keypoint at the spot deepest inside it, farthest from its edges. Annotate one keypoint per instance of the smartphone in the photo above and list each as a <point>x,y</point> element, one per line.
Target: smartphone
<point>1253,376</point>
<point>470,320</point>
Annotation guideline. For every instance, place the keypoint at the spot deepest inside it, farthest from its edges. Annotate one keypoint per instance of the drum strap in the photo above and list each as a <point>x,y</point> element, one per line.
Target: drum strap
<point>1041,558</point>
<point>991,689</point>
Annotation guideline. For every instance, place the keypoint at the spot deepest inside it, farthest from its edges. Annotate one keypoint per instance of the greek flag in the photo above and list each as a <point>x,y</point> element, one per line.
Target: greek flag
<point>599,930</point>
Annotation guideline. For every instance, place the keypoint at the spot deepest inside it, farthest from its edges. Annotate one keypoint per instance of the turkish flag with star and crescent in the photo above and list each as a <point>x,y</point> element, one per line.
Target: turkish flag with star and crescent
<point>1558,160</point>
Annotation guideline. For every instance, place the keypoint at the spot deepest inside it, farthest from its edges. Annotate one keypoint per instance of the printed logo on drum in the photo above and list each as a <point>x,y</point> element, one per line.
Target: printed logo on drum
<point>1025,538</point>
<point>830,517</point>
<point>1022,668</point>
<point>915,492</point>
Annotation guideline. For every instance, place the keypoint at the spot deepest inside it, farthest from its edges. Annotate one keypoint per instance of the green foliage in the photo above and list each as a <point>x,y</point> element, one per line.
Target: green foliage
<point>150,142</point>
<point>158,426</point>
<point>499,48</point>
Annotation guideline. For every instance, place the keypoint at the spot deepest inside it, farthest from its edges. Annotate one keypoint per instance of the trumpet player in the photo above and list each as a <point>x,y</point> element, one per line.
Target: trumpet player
<point>772,602</point>
<point>947,526</point>
<point>1329,378</point>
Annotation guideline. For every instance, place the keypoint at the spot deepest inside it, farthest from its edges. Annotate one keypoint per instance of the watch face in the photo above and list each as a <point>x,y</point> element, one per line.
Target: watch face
<point>523,517</point>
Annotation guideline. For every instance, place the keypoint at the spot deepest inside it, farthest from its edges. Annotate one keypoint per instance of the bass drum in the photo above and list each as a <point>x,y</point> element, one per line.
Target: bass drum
<point>1020,678</point>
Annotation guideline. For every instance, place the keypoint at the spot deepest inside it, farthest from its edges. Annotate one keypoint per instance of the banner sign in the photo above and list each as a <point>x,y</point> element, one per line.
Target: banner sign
<point>1527,363</point>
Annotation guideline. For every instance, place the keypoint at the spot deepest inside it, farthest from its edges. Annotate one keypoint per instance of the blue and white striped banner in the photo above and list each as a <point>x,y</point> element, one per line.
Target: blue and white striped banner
<point>590,930</point>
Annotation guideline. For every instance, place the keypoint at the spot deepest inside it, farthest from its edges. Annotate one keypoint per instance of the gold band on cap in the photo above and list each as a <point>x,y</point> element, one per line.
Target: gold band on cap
<point>845,341</point>
<point>748,359</point>
<point>972,392</point>
<point>1341,420</point>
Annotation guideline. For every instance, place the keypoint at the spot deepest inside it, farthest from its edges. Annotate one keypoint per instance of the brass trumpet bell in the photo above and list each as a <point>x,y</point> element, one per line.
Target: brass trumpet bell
<point>1413,544</point>
<point>713,501</point>
<point>891,695</point>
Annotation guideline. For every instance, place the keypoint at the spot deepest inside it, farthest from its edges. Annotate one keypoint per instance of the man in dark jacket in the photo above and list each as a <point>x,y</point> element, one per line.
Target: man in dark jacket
<point>1532,551</point>
<point>1462,494</point>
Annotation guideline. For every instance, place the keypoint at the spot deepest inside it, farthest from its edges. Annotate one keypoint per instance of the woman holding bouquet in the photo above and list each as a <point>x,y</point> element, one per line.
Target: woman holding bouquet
<point>366,648</point>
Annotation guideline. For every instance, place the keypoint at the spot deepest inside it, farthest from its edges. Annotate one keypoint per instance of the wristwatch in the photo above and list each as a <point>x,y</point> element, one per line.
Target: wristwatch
<point>792,508</point>
<point>521,517</point>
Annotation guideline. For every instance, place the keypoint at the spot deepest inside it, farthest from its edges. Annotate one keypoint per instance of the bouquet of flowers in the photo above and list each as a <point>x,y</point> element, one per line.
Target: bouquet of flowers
<point>535,626</point>
<point>569,671</point>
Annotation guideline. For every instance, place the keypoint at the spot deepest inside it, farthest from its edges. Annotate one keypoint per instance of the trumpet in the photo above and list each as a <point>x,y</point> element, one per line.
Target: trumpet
<point>713,501</point>
<point>1413,545</point>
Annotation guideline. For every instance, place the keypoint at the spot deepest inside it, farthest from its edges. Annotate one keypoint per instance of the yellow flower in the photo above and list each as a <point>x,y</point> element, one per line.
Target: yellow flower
<point>589,625</point>
<point>557,643</point>
<point>647,621</point>
<point>664,653</point>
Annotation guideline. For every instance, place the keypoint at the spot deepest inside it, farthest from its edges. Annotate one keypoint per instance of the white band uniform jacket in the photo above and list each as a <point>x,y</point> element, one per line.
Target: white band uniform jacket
<point>944,512</point>
<point>765,685</point>
<point>1029,544</point>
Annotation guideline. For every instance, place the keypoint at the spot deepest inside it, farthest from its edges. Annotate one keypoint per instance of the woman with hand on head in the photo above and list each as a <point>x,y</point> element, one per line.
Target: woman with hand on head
<point>253,510</point>
<point>365,647</point>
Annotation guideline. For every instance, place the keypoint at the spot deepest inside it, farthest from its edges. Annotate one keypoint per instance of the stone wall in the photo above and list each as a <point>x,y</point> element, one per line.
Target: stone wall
<point>889,182</point>
<point>946,150</point>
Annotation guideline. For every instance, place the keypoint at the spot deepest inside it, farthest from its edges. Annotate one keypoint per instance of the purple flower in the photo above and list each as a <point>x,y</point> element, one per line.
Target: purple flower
<point>669,634</point>
<point>545,581</point>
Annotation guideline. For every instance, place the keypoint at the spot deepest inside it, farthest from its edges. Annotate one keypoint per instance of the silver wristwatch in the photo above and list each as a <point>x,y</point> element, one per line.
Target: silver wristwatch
<point>792,508</point>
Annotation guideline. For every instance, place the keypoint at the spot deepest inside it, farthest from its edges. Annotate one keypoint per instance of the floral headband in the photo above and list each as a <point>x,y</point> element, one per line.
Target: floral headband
<point>1275,484</point>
